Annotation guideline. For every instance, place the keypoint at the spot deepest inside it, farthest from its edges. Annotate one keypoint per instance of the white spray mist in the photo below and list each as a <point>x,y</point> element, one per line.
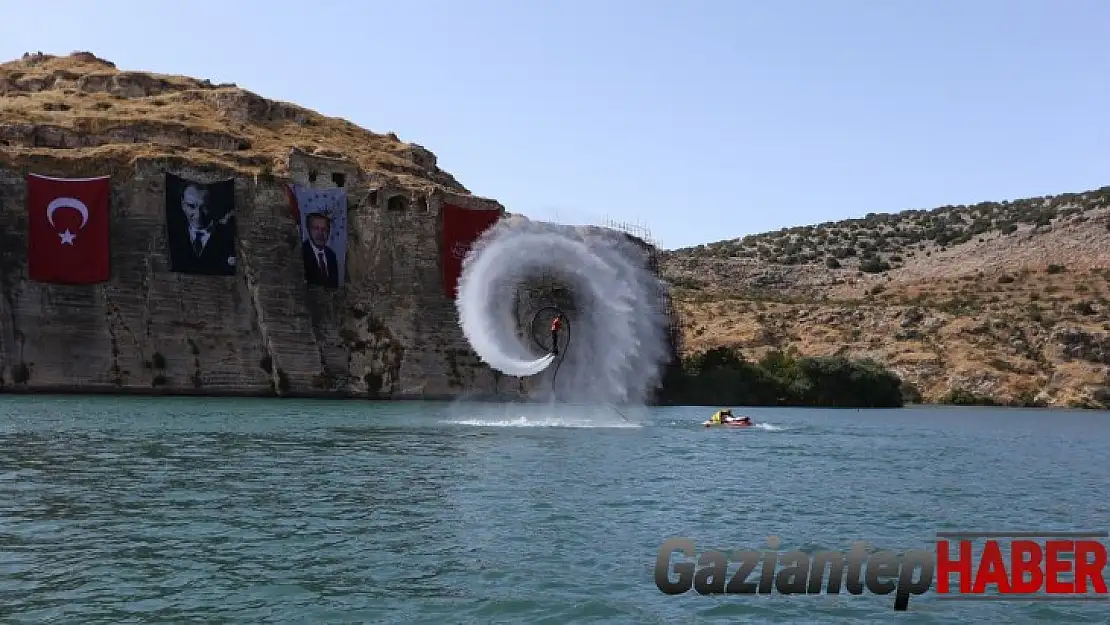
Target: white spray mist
<point>618,333</point>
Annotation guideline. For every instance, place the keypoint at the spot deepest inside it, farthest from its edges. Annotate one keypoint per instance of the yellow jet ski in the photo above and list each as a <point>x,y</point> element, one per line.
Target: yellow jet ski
<point>724,418</point>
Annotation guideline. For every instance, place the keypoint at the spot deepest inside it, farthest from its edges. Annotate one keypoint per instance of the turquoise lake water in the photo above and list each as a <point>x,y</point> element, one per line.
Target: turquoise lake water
<point>128,510</point>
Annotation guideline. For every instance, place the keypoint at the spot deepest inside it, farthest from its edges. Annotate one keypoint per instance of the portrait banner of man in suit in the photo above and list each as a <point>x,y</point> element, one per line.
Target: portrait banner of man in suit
<point>322,214</point>
<point>200,226</point>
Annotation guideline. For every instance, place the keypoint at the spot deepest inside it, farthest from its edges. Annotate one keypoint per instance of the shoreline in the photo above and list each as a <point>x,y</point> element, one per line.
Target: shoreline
<point>96,391</point>
<point>415,397</point>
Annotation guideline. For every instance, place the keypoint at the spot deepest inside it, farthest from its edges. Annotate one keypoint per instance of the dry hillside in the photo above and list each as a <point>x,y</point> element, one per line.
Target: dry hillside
<point>1000,302</point>
<point>86,106</point>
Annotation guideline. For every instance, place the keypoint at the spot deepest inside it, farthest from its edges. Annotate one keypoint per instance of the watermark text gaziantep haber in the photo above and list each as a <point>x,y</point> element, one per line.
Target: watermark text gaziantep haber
<point>1040,566</point>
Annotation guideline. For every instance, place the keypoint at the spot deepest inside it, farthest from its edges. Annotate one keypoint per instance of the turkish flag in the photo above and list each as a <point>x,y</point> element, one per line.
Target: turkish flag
<point>67,231</point>
<point>461,227</point>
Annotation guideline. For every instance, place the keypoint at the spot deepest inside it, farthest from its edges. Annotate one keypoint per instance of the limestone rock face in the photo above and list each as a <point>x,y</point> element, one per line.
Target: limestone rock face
<point>390,333</point>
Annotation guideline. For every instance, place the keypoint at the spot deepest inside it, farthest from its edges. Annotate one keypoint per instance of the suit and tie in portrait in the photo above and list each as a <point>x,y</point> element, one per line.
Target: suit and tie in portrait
<point>321,265</point>
<point>321,215</point>
<point>200,226</point>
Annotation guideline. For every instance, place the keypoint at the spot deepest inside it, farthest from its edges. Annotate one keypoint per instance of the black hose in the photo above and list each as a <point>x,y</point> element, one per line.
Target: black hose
<point>563,352</point>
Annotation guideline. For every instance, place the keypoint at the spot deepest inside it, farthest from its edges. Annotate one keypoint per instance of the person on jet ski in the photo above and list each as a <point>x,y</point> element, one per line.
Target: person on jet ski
<point>717,419</point>
<point>726,417</point>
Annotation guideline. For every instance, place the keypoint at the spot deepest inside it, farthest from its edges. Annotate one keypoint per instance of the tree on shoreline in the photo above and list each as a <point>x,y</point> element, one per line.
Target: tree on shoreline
<point>722,376</point>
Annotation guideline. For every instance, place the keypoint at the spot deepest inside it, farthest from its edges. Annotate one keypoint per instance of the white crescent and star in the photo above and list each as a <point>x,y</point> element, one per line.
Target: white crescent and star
<point>68,237</point>
<point>459,250</point>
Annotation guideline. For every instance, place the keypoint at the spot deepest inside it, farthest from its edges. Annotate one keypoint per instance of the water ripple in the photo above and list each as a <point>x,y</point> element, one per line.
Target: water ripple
<point>166,511</point>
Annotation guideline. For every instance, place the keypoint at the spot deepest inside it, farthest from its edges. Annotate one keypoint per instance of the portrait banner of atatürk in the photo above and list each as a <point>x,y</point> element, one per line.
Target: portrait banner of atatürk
<point>200,226</point>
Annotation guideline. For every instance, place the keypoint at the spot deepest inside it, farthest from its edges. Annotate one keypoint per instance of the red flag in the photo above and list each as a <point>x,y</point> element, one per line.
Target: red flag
<point>67,231</point>
<point>294,208</point>
<point>461,227</point>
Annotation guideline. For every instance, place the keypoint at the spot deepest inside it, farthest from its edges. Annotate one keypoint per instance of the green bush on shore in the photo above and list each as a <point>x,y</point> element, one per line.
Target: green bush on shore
<point>723,377</point>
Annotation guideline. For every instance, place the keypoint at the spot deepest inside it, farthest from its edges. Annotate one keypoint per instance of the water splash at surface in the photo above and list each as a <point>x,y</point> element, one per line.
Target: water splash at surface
<point>539,416</point>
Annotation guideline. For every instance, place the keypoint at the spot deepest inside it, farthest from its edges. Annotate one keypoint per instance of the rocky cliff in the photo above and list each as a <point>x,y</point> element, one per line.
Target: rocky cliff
<point>391,332</point>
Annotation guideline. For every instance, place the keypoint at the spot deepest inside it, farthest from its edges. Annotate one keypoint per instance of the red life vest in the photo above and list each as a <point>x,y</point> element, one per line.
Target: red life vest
<point>556,324</point>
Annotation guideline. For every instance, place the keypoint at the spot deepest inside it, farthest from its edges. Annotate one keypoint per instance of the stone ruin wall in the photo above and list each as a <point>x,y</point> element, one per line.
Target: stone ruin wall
<point>391,333</point>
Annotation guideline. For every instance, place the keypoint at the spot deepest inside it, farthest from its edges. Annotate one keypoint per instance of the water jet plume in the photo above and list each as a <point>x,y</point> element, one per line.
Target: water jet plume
<point>616,324</point>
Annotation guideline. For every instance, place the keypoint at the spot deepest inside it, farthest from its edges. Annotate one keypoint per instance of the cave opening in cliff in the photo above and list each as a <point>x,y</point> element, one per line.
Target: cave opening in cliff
<point>397,203</point>
<point>339,179</point>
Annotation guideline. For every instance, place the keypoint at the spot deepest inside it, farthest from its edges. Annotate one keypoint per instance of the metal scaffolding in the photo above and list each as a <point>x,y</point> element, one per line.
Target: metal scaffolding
<point>641,234</point>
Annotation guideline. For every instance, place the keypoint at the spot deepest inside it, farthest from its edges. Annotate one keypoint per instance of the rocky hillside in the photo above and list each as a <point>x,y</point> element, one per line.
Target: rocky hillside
<point>85,104</point>
<point>1000,302</point>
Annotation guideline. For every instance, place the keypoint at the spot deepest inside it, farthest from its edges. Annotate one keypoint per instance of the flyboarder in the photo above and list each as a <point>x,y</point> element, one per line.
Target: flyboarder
<point>556,325</point>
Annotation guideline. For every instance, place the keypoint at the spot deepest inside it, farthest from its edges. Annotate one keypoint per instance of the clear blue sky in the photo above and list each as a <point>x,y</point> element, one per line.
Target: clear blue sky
<point>703,120</point>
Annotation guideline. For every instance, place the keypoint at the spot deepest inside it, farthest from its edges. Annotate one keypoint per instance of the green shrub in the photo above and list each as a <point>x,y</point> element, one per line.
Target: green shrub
<point>721,376</point>
<point>874,265</point>
<point>960,397</point>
